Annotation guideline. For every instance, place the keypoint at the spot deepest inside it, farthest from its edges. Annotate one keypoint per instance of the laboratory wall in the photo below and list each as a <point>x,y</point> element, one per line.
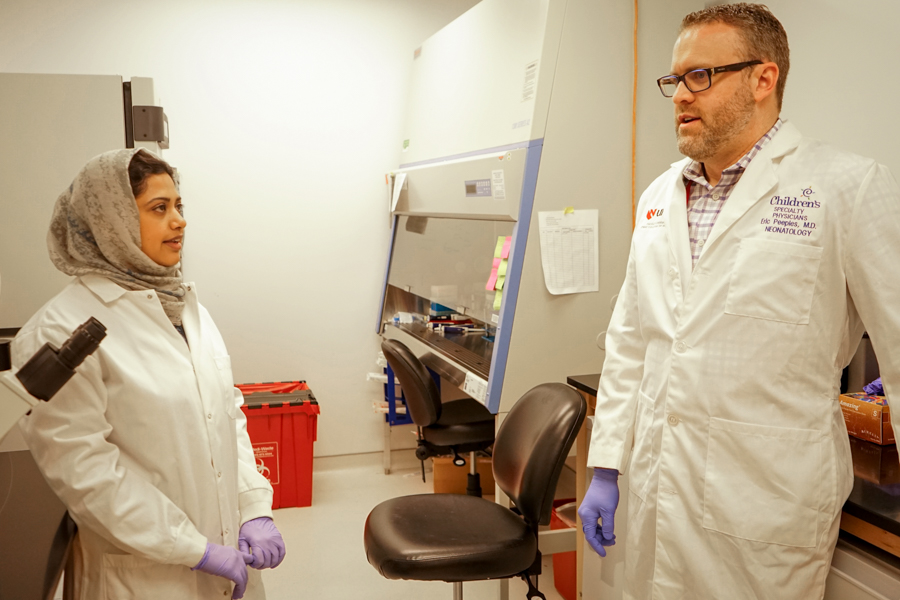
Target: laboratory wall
<point>840,88</point>
<point>285,117</point>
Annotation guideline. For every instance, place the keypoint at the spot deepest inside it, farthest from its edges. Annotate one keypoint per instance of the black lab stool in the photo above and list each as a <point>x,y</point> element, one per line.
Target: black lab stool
<point>452,428</point>
<point>456,538</point>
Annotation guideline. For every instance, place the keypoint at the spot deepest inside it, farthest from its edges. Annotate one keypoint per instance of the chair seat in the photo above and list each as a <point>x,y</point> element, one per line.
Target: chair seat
<point>447,537</point>
<point>464,421</point>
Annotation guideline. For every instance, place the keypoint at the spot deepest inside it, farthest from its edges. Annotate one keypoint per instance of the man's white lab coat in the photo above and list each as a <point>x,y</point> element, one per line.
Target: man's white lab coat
<point>146,445</point>
<point>726,377</point>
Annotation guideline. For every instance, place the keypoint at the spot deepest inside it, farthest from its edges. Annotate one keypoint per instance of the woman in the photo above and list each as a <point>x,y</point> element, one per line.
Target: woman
<point>146,446</point>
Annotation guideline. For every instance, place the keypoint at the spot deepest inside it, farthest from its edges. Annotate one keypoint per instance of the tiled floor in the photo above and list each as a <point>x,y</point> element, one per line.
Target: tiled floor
<point>325,556</point>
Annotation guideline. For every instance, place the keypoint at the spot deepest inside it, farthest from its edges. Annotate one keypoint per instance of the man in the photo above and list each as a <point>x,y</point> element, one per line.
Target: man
<point>755,266</point>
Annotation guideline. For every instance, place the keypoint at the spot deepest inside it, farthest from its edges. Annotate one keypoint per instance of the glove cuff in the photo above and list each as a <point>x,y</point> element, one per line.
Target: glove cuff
<point>606,474</point>
<point>203,560</point>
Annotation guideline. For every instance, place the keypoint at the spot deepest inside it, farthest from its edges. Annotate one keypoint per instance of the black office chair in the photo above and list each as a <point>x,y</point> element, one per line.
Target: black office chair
<point>453,428</point>
<point>456,538</point>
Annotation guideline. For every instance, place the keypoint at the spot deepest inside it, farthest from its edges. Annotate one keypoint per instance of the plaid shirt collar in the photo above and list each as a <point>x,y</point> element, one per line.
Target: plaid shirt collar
<point>694,169</point>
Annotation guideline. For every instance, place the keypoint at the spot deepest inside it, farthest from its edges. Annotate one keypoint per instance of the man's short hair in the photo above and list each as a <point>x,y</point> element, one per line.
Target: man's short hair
<point>763,35</point>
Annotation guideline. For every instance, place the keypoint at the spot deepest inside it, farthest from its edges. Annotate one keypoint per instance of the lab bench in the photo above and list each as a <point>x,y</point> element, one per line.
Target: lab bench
<point>869,544</point>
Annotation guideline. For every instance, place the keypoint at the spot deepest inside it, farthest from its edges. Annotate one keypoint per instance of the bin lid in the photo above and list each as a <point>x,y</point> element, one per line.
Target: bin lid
<point>298,398</point>
<point>272,387</point>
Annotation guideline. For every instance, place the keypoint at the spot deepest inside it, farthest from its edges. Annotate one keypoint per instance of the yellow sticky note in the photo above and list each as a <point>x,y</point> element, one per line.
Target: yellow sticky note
<point>499,249</point>
<point>499,284</point>
<point>501,270</point>
<point>570,210</point>
<point>498,297</point>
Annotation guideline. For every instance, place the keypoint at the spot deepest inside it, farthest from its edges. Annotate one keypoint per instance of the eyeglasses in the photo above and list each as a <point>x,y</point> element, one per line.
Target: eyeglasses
<point>698,79</point>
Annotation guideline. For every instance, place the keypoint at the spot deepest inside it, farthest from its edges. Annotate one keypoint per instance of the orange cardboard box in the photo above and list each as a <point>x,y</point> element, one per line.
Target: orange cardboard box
<point>450,479</point>
<point>868,418</point>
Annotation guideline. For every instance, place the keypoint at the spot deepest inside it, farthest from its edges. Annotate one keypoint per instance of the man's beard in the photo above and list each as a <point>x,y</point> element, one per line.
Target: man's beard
<point>718,127</point>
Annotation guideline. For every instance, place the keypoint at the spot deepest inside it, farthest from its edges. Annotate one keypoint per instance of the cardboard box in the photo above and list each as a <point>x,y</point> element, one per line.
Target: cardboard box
<point>878,464</point>
<point>450,479</point>
<point>867,417</point>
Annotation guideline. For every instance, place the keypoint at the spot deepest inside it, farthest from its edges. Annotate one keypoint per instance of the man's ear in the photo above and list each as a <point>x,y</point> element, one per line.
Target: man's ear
<point>765,81</point>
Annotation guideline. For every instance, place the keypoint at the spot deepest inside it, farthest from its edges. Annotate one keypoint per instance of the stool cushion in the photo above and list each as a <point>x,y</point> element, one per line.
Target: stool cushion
<point>447,537</point>
<point>464,421</point>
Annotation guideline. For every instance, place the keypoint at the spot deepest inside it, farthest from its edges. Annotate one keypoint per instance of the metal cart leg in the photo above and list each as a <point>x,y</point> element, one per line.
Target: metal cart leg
<point>387,448</point>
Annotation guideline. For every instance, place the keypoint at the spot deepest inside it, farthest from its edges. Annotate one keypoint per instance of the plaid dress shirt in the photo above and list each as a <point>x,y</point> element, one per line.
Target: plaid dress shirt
<point>706,201</point>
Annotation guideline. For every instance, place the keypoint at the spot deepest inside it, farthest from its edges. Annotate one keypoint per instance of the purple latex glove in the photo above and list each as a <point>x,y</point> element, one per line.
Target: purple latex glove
<point>875,388</point>
<point>261,537</point>
<point>599,504</point>
<point>226,562</point>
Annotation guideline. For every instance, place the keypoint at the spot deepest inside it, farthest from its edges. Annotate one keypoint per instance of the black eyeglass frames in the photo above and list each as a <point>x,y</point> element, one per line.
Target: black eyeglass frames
<point>698,80</point>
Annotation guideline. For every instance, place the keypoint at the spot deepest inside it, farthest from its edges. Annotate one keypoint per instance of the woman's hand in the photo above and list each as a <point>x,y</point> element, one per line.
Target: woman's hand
<point>227,562</point>
<point>261,537</point>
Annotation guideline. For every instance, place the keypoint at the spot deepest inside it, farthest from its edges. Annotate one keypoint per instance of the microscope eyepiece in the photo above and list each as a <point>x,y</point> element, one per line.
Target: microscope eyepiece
<point>49,369</point>
<point>85,339</point>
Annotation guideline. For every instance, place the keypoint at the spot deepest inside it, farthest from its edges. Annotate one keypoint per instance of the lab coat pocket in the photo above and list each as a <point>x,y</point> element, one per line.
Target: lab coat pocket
<point>128,576</point>
<point>227,381</point>
<point>773,280</point>
<point>764,483</point>
<point>642,456</point>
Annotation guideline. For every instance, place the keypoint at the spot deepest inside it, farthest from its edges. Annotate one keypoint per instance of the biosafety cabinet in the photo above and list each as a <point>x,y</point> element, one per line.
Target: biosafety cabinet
<point>516,108</point>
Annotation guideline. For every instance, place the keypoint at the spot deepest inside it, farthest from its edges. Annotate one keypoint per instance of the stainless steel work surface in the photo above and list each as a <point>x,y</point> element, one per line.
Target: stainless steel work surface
<point>471,351</point>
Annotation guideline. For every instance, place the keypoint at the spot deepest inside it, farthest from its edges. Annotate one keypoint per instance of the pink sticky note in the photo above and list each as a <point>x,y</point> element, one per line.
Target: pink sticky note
<point>506,244</point>
<point>492,280</point>
<point>497,263</point>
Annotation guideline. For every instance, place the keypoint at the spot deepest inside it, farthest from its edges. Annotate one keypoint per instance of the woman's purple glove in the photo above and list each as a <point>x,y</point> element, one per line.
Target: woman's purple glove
<point>226,562</point>
<point>875,388</point>
<point>600,502</point>
<point>261,537</point>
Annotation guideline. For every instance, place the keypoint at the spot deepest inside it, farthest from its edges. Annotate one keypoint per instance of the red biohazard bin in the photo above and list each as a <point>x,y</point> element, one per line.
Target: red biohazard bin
<point>563,517</point>
<point>281,420</point>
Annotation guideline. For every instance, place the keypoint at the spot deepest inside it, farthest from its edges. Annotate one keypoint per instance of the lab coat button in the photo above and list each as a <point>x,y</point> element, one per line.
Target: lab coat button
<point>680,347</point>
<point>149,296</point>
<point>219,474</point>
<point>209,416</point>
<point>673,273</point>
<point>673,420</point>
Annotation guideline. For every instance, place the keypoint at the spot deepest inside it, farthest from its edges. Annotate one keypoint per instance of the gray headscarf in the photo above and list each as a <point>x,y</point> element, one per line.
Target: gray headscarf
<point>96,229</point>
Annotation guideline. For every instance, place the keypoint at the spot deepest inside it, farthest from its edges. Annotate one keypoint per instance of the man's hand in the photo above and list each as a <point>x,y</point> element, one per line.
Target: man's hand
<point>226,562</point>
<point>600,502</point>
<point>261,537</point>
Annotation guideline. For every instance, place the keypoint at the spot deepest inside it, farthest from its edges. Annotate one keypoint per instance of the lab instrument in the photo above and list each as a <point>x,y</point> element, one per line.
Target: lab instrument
<point>45,373</point>
<point>503,125</point>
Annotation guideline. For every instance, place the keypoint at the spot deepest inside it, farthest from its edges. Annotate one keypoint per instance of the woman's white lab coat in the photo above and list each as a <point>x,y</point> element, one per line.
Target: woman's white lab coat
<point>146,446</point>
<point>727,377</point>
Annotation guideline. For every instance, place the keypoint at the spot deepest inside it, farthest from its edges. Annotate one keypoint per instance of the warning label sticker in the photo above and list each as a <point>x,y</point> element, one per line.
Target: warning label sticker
<point>266,455</point>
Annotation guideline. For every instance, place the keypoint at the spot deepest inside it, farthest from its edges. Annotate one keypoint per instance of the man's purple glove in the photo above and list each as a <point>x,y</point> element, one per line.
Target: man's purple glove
<point>600,502</point>
<point>261,537</point>
<point>226,562</point>
<point>875,388</point>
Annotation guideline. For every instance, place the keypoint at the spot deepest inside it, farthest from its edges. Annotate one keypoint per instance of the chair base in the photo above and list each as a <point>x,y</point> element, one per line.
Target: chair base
<point>532,592</point>
<point>473,485</point>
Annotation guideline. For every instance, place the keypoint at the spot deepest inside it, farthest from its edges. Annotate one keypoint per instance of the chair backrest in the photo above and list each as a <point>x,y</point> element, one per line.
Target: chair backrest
<point>423,399</point>
<point>532,444</point>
